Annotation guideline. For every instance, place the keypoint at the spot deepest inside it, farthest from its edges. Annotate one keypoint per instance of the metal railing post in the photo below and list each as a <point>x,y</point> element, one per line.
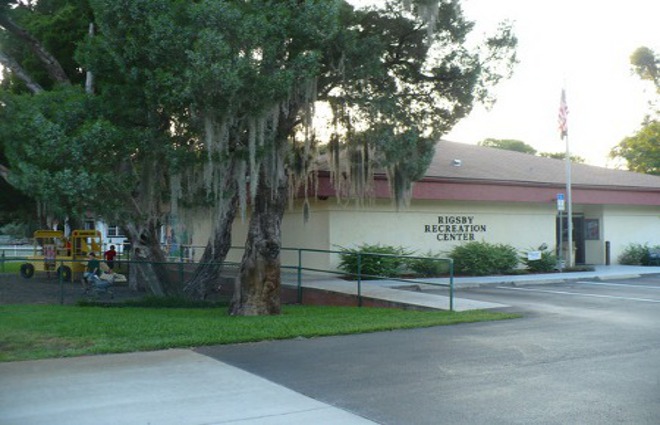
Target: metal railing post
<point>299,276</point>
<point>2,261</point>
<point>181,264</point>
<point>129,264</point>
<point>451,284</point>
<point>60,277</point>
<point>359,282</point>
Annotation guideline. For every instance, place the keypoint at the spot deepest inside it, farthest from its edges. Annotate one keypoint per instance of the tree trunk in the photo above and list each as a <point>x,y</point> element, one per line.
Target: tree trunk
<point>257,287</point>
<point>148,270</point>
<point>207,274</point>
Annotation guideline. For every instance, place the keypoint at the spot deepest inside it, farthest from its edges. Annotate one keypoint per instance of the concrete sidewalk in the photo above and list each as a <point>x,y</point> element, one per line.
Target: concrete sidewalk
<point>161,388</point>
<point>412,292</point>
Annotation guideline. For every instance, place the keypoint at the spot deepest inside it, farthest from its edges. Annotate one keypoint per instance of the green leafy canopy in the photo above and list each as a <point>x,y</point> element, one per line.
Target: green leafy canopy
<point>61,149</point>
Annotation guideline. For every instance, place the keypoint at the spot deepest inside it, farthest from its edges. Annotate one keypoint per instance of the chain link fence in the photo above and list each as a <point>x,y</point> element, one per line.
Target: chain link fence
<point>304,274</point>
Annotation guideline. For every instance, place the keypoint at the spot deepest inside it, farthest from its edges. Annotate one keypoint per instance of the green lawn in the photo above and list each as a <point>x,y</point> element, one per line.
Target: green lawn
<point>44,331</point>
<point>9,266</point>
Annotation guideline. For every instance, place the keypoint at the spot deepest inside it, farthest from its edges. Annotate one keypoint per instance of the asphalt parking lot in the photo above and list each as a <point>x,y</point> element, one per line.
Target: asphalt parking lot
<point>581,297</point>
<point>585,352</point>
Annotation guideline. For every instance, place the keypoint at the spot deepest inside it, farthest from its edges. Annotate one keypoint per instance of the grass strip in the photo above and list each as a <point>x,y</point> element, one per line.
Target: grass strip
<point>46,331</point>
<point>10,266</point>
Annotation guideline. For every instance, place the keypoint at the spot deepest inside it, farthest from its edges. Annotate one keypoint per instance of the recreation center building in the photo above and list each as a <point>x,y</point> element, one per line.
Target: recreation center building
<point>475,193</point>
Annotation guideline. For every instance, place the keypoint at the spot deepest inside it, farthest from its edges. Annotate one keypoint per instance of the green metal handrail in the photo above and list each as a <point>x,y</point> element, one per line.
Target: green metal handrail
<point>299,267</point>
<point>360,275</point>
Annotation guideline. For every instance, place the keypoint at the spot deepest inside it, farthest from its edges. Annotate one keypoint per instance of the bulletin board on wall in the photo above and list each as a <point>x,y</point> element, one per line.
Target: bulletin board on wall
<point>591,229</point>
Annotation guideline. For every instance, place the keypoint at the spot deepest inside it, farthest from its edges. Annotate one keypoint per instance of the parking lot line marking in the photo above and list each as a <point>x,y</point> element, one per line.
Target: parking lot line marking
<point>620,284</point>
<point>646,300</point>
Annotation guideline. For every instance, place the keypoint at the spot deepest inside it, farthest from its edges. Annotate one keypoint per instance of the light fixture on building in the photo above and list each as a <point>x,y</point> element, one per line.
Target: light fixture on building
<point>457,163</point>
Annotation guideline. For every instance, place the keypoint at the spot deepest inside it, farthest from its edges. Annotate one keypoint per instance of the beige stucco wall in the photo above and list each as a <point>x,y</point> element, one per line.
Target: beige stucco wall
<point>332,226</point>
<point>623,225</point>
<point>439,226</point>
<point>296,233</point>
<point>200,225</point>
<point>306,234</point>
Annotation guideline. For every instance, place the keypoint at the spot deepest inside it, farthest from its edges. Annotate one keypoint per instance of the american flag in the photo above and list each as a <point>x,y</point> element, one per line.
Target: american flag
<point>563,115</point>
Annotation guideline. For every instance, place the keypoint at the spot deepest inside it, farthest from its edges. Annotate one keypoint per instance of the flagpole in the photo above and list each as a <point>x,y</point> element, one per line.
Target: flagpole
<point>563,128</point>
<point>569,201</point>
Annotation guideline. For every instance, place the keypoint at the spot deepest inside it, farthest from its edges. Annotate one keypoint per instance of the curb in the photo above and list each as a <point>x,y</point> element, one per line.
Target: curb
<point>542,281</point>
<point>622,276</point>
<point>538,282</point>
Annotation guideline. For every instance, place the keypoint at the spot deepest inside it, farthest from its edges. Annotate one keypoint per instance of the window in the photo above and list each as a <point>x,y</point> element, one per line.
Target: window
<point>114,231</point>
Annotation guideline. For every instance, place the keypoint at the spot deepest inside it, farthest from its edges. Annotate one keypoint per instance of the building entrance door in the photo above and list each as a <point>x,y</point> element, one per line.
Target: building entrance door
<point>578,236</point>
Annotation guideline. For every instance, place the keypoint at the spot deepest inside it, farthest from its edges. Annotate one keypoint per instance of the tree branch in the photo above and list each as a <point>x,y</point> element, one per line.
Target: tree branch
<point>18,71</point>
<point>55,70</point>
<point>4,173</point>
<point>89,81</point>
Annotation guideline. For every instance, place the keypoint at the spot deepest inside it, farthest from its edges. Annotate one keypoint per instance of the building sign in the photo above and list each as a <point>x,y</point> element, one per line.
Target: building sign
<point>534,255</point>
<point>460,228</point>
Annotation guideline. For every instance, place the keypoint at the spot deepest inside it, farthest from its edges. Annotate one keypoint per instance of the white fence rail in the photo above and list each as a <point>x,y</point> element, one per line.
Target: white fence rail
<point>9,251</point>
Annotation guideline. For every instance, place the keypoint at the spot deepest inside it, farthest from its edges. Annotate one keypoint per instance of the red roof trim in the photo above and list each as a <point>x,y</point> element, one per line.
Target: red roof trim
<point>439,189</point>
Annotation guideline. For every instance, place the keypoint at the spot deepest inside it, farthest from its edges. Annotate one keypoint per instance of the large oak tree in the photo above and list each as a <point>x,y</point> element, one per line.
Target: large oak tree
<point>214,100</point>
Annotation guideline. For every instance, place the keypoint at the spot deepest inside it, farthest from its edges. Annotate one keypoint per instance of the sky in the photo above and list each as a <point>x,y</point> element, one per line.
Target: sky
<point>581,45</point>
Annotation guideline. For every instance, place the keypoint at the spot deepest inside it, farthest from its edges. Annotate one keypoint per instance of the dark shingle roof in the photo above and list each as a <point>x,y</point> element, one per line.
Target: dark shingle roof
<point>491,164</point>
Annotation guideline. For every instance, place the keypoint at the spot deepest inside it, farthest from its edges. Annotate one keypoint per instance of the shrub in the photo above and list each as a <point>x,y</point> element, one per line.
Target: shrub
<point>647,260</point>
<point>371,263</point>
<point>14,230</point>
<point>634,254</point>
<point>545,264</point>
<point>430,266</point>
<point>483,258</point>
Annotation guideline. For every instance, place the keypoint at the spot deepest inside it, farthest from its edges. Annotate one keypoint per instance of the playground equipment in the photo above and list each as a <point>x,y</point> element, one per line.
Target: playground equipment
<point>53,252</point>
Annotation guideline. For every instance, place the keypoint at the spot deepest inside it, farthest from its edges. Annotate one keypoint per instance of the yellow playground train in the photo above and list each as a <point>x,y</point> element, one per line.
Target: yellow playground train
<point>53,252</point>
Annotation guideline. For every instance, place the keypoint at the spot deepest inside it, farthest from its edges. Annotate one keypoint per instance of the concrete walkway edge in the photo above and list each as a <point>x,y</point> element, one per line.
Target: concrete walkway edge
<point>171,387</point>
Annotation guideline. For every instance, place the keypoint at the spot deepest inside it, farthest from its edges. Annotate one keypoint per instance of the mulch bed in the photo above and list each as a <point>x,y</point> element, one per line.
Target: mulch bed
<point>43,289</point>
